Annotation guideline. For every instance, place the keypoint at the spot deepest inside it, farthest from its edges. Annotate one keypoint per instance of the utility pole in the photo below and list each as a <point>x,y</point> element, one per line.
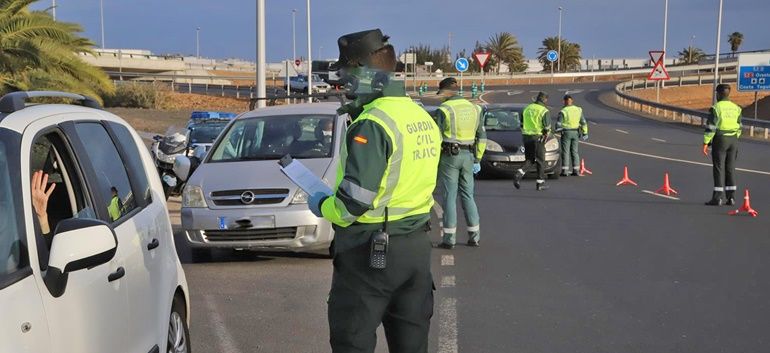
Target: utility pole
<point>293,35</point>
<point>101,17</point>
<point>665,37</point>
<point>259,86</point>
<point>197,42</point>
<point>716,62</point>
<point>558,62</point>
<point>53,9</point>
<point>690,49</point>
<point>309,56</point>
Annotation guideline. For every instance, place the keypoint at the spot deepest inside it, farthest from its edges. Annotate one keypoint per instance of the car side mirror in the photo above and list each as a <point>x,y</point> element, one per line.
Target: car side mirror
<point>181,167</point>
<point>78,243</point>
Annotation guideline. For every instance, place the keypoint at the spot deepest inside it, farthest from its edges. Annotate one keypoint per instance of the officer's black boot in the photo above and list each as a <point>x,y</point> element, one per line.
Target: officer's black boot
<point>541,186</point>
<point>517,178</point>
<point>717,199</point>
<point>730,198</point>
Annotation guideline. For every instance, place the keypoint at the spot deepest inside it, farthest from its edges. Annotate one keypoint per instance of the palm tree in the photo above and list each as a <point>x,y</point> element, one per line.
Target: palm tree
<point>691,55</point>
<point>735,39</point>
<point>570,54</point>
<point>38,53</point>
<point>505,48</point>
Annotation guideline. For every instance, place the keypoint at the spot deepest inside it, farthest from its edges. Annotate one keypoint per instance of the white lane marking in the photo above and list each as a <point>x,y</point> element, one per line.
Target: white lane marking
<point>481,97</point>
<point>657,139</point>
<point>574,91</point>
<point>447,260</point>
<point>660,195</point>
<point>226,341</point>
<point>513,93</point>
<point>448,281</point>
<point>447,337</point>
<point>593,122</point>
<point>594,90</point>
<point>622,131</point>
<point>668,159</point>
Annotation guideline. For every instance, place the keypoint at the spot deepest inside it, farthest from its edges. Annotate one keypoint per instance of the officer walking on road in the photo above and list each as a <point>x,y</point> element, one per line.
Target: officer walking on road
<point>535,128</point>
<point>381,209</point>
<point>572,125</point>
<point>723,129</point>
<point>463,146</point>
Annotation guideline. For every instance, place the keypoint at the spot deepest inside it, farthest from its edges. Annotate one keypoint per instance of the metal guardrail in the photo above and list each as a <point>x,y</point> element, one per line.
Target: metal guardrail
<point>752,127</point>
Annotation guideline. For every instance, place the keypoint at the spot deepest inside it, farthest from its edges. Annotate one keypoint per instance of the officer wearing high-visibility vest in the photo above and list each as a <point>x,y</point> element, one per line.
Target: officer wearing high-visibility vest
<point>461,150</point>
<point>385,182</point>
<point>723,129</point>
<point>572,125</point>
<point>535,128</point>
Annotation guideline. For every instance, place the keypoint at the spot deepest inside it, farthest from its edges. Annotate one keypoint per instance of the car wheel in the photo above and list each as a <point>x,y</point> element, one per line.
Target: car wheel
<point>178,332</point>
<point>556,171</point>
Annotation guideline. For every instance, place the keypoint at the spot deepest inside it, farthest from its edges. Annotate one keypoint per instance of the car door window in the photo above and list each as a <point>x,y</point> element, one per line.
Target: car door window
<point>111,176</point>
<point>133,161</point>
<point>12,254</point>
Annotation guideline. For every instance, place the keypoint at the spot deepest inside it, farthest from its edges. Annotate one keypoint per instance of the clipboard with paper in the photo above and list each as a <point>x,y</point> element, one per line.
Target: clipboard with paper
<point>300,175</point>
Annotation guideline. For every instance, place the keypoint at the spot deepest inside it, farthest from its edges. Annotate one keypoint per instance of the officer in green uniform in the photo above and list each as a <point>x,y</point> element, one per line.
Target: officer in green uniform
<point>385,182</point>
<point>723,129</point>
<point>572,125</point>
<point>535,127</point>
<point>463,146</point>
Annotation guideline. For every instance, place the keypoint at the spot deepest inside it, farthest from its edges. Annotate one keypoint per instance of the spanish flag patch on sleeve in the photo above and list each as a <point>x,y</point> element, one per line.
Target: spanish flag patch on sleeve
<point>360,139</point>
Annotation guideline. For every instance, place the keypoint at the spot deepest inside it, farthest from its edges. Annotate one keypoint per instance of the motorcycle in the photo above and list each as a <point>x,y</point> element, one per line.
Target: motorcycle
<point>165,149</point>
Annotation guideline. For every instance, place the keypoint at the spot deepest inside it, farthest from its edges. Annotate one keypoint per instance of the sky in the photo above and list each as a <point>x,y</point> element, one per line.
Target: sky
<point>604,28</point>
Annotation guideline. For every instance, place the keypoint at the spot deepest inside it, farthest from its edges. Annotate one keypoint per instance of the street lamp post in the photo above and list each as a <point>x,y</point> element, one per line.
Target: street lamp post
<point>293,35</point>
<point>53,9</point>
<point>716,62</point>
<point>101,19</point>
<point>665,37</point>
<point>558,62</point>
<point>260,89</point>
<point>197,42</point>
<point>690,49</point>
<point>309,56</point>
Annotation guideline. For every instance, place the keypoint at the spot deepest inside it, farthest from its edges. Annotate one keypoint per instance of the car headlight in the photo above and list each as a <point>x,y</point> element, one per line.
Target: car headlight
<point>192,196</point>
<point>493,146</point>
<point>552,145</point>
<point>299,197</point>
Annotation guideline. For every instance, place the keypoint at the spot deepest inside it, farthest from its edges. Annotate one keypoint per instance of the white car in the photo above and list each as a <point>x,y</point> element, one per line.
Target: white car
<point>299,84</point>
<point>107,277</point>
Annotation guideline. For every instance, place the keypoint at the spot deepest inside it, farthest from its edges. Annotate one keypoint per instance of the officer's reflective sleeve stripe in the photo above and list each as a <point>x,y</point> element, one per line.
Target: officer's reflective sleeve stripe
<point>731,188</point>
<point>481,136</point>
<point>361,170</point>
<point>474,228</point>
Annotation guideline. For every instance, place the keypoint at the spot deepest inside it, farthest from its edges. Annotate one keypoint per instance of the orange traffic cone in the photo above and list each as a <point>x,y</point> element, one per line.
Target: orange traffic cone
<point>583,169</point>
<point>746,207</point>
<point>626,180</point>
<point>666,188</point>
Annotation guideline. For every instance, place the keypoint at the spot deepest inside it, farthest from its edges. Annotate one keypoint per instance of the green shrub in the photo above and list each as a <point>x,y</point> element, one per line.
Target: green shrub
<point>137,95</point>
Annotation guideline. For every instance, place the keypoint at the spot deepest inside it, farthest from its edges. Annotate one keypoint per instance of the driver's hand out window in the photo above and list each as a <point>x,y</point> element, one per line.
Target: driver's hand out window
<point>40,198</point>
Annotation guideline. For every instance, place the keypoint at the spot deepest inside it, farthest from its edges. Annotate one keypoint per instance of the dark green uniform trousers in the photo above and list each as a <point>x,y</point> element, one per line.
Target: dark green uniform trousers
<point>724,151</point>
<point>534,151</point>
<point>570,159</point>
<point>400,296</point>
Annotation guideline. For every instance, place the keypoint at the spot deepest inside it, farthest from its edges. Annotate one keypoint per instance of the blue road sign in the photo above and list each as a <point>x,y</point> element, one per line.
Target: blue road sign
<point>462,64</point>
<point>754,72</point>
<point>552,55</point>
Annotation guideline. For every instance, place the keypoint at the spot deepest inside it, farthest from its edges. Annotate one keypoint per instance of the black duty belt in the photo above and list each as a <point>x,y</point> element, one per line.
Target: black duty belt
<point>448,146</point>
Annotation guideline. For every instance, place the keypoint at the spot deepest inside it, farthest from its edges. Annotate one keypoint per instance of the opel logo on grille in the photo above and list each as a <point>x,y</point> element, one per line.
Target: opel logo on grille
<point>247,197</point>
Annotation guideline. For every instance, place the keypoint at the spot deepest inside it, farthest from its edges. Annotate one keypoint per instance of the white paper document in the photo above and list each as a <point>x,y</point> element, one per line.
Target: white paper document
<point>305,179</point>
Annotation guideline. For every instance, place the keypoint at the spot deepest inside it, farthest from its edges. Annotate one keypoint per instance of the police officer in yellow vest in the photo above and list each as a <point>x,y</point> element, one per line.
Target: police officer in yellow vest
<point>572,125</point>
<point>723,129</point>
<point>380,211</point>
<point>535,127</point>
<point>463,146</point>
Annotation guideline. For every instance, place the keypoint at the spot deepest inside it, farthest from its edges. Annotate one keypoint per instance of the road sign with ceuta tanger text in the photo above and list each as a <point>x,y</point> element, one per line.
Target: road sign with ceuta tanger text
<point>462,64</point>
<point>552,55</point>
<point>481,58</point>
<point>658,72</point>
<point>754,72</point>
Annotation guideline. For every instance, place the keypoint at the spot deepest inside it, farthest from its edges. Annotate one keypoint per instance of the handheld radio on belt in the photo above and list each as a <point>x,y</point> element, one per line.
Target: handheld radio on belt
<point>379,246</point>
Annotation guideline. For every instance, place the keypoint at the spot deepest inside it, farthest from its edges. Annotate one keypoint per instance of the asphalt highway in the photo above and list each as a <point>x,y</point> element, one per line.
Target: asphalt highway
<point>583,267</point>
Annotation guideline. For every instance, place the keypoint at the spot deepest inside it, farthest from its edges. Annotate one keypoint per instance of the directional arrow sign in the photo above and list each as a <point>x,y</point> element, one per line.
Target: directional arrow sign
<point>552,55</point>
<point>462,64</point>
<point>481,58</point>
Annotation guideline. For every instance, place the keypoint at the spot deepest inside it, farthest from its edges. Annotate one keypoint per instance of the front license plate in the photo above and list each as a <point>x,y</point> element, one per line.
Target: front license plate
<point>517,158</point>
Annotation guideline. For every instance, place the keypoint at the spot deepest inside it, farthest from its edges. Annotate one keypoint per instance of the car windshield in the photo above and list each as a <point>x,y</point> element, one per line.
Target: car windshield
<point>10,246</point>
<point>502,120</point>
<point>206,132</point>
<point>272,137</point>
